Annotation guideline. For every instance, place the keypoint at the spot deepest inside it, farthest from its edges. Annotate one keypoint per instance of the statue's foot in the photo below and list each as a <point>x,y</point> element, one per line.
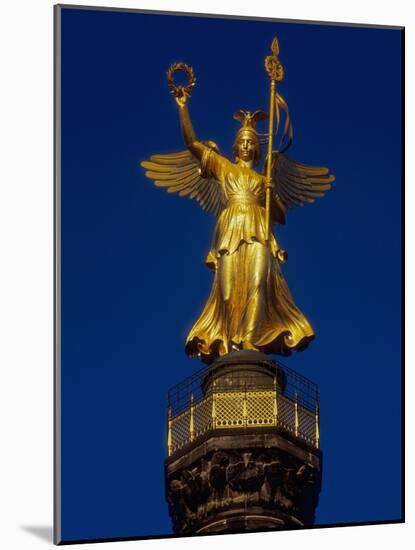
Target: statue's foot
<point>223,348</point>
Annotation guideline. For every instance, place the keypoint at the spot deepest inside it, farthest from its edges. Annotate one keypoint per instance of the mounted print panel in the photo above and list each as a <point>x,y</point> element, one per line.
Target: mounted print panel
<point>233,362</point>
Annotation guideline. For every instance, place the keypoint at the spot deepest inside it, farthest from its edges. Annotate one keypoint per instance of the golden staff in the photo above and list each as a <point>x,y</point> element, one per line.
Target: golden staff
<point>276,74</point>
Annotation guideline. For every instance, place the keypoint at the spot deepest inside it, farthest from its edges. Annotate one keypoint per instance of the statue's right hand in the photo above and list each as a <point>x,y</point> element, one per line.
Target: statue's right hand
<point>181,96</point>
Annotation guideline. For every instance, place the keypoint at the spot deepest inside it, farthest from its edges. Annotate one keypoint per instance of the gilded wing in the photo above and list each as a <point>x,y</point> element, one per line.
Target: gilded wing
<point>295,183</point>
<point>181,173</point>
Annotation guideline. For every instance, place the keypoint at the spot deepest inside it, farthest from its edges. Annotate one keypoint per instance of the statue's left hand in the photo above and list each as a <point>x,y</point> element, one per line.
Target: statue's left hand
<point>282,255</point>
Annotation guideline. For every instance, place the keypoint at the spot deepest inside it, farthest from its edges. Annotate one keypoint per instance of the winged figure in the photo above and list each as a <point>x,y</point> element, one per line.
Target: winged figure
<point>250,305</point>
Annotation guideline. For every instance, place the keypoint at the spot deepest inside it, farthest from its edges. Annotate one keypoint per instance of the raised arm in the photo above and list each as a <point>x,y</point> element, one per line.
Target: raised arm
<point>189,136</point>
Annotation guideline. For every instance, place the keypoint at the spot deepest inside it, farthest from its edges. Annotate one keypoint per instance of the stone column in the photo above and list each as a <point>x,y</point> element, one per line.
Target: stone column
<point>240,478</point>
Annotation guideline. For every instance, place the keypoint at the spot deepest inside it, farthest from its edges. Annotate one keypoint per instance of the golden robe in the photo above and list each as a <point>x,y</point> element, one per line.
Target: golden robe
<point>250,305</point>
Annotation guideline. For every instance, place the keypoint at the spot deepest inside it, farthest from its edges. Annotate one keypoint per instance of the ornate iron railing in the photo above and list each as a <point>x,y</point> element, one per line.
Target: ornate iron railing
<point>193,412</point>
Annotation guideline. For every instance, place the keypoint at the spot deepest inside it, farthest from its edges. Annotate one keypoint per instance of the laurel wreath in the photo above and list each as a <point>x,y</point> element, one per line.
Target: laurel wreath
<point>175,89</point>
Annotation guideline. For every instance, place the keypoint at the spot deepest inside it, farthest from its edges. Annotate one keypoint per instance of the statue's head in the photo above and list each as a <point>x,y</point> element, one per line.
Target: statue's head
<point>247,146</point>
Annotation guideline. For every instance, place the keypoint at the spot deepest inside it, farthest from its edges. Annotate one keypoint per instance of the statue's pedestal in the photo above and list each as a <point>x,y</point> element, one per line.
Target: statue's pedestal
<point>243,455</point>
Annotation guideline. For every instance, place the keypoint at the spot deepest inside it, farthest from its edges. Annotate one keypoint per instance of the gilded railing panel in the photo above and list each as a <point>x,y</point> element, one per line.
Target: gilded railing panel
<point>229,409</point>
<point>180,430</point>
<point>203,416</point>
<point>260,408</point>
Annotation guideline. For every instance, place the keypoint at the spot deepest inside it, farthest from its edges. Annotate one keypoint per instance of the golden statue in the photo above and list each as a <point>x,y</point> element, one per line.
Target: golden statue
<point>250,305</point>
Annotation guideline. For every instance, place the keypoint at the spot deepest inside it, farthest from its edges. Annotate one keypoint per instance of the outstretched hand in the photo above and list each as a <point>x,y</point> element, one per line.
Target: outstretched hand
<point>181,96</point>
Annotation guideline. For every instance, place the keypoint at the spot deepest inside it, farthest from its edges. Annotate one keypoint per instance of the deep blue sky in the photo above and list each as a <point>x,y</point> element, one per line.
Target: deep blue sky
<point>133,273</point>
